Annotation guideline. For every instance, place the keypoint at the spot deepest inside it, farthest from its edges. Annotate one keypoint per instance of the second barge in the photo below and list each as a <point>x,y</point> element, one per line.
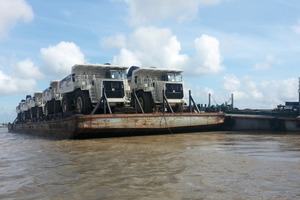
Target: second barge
<point>283,118</point>
<point>261,121</point>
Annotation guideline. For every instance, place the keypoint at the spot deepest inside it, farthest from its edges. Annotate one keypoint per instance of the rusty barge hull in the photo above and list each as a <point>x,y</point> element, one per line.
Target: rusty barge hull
<point>103,125</point>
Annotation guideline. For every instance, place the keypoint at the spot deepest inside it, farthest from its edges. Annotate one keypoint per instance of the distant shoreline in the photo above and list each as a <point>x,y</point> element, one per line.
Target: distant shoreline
<point>3,125</point>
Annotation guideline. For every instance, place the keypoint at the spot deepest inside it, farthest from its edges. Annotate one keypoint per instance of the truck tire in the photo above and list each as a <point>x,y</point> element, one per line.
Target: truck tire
<point>66,105</point>
<point>37,113</point>
<point>145,101</point>
<point>33,112</point>
<point>46,109</point>
<point>49,107</point>
<point>40,113</point>
<point>57,107</point>
<point>82,103</point>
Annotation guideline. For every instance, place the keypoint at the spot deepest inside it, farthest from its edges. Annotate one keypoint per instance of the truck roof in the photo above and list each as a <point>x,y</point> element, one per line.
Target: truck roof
<point>54,83</point>
<point>101,68</point>
<point>152,71</point>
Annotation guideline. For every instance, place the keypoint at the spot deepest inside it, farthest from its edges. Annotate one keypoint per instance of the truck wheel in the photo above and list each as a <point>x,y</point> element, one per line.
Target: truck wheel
<point>46,109</point>
<point>145,101</point>
<point>37,112</point>
<point>33,112</point>
<point>41,114</point>
<point>58,108</point>
<point>50,107</point>
<point>82,103</point>
<point>66,107</point>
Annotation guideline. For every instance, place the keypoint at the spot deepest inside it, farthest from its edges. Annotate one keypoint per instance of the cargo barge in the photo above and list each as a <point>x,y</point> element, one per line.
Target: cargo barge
<point>108,125</point>
<point>97,100</point>
<point>261,121</point>
<point>283,118</point>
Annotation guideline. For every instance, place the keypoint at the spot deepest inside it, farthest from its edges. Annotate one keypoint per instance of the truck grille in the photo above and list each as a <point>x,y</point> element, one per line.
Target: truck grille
<point>174,91</point>
<point>114,89</point>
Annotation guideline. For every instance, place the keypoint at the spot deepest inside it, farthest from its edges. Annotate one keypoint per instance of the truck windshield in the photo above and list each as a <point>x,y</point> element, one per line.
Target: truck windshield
<point>117,74</point>
<point>172,77</point>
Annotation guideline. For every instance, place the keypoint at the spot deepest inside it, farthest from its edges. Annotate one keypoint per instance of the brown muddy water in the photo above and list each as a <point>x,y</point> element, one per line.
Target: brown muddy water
<point>206,165</point>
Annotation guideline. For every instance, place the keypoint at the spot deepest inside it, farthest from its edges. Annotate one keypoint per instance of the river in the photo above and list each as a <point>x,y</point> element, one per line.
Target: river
<point>204,165</point>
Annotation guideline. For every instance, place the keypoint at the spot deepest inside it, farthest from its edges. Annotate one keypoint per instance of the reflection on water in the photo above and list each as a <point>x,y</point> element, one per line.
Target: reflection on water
<point>183,166</point>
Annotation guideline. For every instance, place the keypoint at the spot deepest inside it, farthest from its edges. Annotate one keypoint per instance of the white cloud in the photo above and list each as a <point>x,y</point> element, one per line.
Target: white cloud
<point>144,11</point>
<point>261,94</point>
<point>253,90</point>
<point>266,64</point>
<point>127,58</point>
<point>150,46</point>
<point>11,84</point>
<point>67,13</point>
<point>208,59</point>
<point>296,28</point>
<point>22,78</point>
<point>11,11</point>
<point>28,70</point>
<point>60,58</point>
<point>231,83</point>
<point>280,90</point>
<point>117,41</point>
<point>262,66</point>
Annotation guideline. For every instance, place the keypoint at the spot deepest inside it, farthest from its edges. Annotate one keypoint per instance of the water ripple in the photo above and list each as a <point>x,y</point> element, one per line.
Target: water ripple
<point>203,165</point>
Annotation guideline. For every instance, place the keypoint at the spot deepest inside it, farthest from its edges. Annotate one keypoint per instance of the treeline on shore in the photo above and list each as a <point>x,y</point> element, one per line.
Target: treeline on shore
<point>3,125</point>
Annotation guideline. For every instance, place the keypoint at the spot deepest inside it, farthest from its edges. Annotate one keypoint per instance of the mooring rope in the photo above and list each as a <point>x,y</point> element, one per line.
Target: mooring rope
<point>167,125</point>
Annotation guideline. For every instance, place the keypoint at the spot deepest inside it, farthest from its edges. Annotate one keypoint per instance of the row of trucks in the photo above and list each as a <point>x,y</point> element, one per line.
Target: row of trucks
<point>106,88</point>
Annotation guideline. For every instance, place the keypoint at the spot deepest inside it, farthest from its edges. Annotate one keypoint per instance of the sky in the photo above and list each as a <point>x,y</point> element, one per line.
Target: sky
<point>250,49</point>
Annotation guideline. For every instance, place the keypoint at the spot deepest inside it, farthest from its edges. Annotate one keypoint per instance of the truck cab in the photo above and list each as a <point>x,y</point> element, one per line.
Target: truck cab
<point>52,99</point>
<point>151,85</point>
<point>89,83</point>
<point>37,105</point>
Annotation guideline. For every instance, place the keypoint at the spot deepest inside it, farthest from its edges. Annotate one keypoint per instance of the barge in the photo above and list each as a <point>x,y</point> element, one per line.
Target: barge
<point>283,118</point>
<point>261,121</point>
<point>98,100</point>
<point>108,125</point>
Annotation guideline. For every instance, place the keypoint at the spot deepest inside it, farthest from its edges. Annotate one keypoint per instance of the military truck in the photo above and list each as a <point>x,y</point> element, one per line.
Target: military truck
<point>52,99</point>
<point>89,84</point>
<point>153,86</point>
